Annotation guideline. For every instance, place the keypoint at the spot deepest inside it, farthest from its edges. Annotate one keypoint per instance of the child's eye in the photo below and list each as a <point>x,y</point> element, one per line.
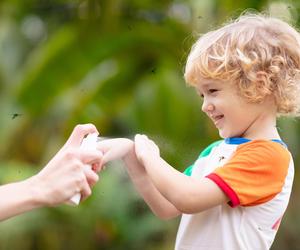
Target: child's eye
<point>212,91</point>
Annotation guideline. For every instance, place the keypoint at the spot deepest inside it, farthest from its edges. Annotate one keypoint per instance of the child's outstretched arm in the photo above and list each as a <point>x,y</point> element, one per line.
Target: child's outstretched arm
<point>187,194</point>
<point>65,175</point>
<point>122,148</point>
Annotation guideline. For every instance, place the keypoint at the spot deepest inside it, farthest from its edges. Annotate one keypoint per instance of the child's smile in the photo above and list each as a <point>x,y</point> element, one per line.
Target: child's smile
<point>231,113</point>
<point>217,119</point>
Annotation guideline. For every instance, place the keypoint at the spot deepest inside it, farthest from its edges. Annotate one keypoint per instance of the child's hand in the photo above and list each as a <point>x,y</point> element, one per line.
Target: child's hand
<point>114,149</point>
<point>68,172</point>
<point>144,147</point>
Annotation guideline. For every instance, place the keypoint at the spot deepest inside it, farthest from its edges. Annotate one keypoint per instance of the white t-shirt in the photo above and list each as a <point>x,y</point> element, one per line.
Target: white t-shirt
<point>257,176</point>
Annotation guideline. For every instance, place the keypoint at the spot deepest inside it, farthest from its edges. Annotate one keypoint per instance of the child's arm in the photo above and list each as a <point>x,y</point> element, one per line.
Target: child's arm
<point>65,175</point>
<point>124,148</point>
<point>187,194</point>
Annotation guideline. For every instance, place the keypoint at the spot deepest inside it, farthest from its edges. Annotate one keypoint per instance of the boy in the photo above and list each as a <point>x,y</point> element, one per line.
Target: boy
<point>63,177</point>
<point>237,191</point>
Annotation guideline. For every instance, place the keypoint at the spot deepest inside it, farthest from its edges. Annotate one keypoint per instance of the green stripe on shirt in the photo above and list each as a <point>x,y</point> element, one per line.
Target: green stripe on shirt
<point>188,171</point>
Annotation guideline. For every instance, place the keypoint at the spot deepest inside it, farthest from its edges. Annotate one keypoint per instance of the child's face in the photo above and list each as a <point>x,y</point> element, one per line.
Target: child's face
<point>232,115</point>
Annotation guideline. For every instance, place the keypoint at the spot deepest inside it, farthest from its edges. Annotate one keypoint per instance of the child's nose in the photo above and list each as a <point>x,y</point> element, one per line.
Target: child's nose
<point>207,106</point>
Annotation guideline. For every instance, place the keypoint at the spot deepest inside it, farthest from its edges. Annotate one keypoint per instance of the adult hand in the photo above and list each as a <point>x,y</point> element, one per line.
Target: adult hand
<point>69,170</point>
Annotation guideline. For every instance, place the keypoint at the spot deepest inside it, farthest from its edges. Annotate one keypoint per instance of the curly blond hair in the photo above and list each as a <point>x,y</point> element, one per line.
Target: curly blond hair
<point>260,54</point>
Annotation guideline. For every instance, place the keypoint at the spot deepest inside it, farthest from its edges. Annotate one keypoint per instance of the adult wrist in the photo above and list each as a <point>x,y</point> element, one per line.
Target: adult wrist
<point>34,192</point>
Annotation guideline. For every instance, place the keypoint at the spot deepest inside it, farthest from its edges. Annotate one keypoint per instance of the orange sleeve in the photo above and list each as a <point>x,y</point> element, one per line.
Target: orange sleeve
<point>254,174</point>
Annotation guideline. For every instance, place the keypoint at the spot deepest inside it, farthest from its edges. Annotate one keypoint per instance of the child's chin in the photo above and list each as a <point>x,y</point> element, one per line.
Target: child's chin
<point>225,134</point>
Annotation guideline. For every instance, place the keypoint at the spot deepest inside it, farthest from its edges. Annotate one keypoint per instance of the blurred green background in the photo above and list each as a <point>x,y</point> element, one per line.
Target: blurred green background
<point>118,64</point>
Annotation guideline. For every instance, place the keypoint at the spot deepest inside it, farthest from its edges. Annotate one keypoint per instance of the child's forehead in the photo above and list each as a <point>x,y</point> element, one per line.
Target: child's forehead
<point>204,83</point>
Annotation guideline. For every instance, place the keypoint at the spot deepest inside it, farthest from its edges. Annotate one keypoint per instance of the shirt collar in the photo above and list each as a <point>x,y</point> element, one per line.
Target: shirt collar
<point>241,140</point>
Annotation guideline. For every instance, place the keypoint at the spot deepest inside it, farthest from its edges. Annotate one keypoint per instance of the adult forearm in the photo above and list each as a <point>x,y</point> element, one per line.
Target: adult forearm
<point>17,198</point>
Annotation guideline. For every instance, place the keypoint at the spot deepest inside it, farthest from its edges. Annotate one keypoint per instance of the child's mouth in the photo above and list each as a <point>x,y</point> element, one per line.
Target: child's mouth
<point>217,119</point>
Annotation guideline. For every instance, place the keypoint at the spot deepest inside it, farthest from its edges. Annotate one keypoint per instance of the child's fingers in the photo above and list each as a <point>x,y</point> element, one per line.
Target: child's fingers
<point>139,146</point>
<point>153,145</point>
<point>150,144</point>
<point>109,156</point>
<point>79,132</point>
<point>105,145</point>
<point>136,137</point>
<point>114,149</point>
<point>143,144</point>
<point>138,140</point>
<point>143,139</point>
<point>146,139</point>
<point>90,156</point>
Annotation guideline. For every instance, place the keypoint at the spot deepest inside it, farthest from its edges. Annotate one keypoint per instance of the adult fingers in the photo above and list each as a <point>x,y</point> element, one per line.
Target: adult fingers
<point>97,167</point>
<point>79,132</point>
<point>91,176</point>
<point>85,189</point>
<point>86,192</point>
